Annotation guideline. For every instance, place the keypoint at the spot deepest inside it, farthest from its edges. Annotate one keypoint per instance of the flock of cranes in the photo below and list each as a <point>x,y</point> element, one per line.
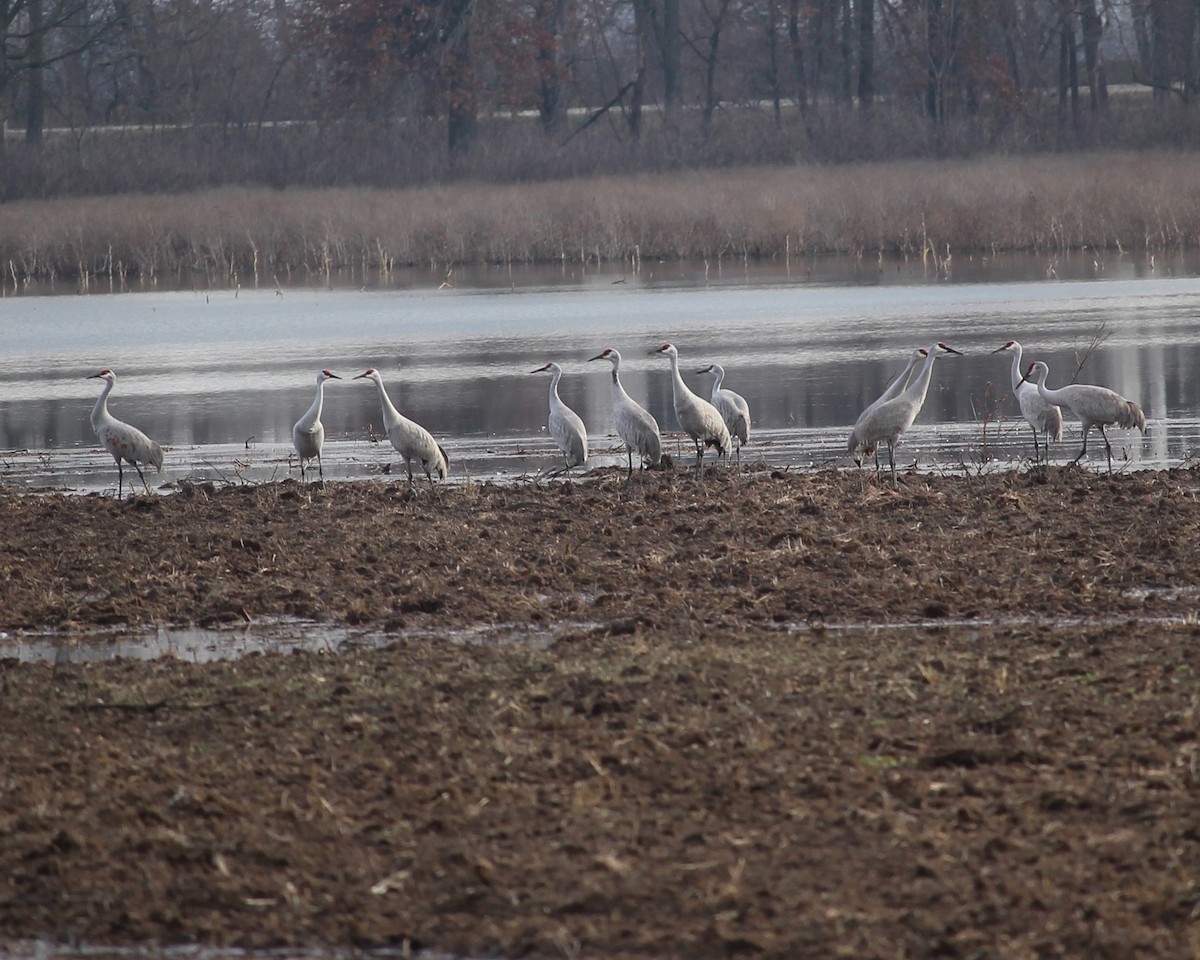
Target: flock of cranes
<point>721,422</point>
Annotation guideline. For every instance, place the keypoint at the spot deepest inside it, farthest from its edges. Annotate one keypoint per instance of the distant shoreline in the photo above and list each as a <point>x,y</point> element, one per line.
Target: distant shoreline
<point>1123,202</point>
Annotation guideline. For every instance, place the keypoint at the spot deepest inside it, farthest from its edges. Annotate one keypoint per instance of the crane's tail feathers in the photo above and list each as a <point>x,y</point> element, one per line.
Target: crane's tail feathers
<point>741,430</point>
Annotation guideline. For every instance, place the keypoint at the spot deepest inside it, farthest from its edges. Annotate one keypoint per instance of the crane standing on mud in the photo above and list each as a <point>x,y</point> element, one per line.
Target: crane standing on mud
<point>308,435</point>
<point>734,409</point>
<point>1094,406</point>
<point>126,443</point>
<point>892,391</point>
<point>889,420</point>
<point>699,419</point>
<point>637,429</point>
<point>566,427</point>
<point>410,439</point>
<point>1041,415</point>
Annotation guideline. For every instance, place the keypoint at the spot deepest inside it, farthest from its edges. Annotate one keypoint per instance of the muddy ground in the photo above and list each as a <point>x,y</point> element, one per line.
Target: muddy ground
<point>775,715</point>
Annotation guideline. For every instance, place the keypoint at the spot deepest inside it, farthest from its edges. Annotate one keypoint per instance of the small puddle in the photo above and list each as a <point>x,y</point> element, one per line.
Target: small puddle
<point>208,645</point>
<point>989,623</point>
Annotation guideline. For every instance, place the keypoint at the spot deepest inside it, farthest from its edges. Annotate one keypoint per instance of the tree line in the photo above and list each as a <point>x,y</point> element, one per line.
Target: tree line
<point>511,88</point>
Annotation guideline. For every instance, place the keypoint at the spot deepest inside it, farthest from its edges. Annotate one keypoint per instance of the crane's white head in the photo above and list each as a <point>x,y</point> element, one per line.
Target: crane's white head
<point>666,348</point>
<point>946,349</point>
<point>371,374</point>
<point>1037,371</point>
<point>1011,345</point>
<point>103,375</point>
<point>612,356</point>
<point>326,375</point>
<point>550,367</point>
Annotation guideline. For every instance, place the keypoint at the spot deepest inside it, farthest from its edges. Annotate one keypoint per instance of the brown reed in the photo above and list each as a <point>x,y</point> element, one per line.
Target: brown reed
<point>1047,203</point>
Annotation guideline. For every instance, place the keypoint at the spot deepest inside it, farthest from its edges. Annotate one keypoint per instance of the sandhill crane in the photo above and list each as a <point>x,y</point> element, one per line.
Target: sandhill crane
<point>565,426</point>
<point>1094,406</point>
<point>308,435</point>
<point>635,426</point>
<point>410,439</point>
<point>1042,416</point>
<point>734,409</point>
<point>893,390</point>
<point>887,421</point>
<point>699,419</point>
<point>126,443</point>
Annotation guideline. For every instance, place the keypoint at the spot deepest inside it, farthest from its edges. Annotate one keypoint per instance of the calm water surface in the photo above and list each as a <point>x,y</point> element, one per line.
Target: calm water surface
<point>219,377</point>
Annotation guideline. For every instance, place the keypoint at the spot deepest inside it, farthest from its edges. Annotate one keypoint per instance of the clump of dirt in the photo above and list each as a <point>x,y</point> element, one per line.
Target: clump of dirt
<point>728,750</point>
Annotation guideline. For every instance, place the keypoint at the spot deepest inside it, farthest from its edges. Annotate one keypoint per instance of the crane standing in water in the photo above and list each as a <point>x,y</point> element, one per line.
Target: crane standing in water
<point>892,391</point>
<point>734,409</point>
<point>889,420</point>
<point>565,426</point>
<point>1041,415</point>
<point>126,443</point>
<point>1094,406</point>
<point>637,429</point>
<point>410,439</point>
<point>308,435</point>
<point>699,419</point>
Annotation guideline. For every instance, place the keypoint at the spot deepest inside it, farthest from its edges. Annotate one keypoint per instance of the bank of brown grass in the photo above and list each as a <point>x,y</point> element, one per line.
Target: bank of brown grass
<point>1125,201</point>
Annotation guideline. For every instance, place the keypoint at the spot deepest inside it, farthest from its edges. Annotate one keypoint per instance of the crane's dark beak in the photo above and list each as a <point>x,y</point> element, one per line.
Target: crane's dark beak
<point>599,357</point>
<point>545,368</point>
<point>1000,349</point>
<point>1025,377</point>
<point>957,353</point>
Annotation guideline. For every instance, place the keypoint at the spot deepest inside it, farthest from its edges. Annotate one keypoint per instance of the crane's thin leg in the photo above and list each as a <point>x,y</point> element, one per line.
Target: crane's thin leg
<point>1036,452</point>
<point>120,482</point>
<point>320,467</point>
<point>892,458</point>
<point>138,467</point>
<point>629,476</point>
<point>1107,447</point>
<point>1084,450</point>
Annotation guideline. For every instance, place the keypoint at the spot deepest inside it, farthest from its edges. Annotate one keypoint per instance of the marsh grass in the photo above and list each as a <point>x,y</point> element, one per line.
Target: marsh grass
<point>1108,203</point>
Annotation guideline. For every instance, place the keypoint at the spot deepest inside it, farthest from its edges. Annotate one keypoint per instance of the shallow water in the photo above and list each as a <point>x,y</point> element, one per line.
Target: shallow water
<point>219,377</point>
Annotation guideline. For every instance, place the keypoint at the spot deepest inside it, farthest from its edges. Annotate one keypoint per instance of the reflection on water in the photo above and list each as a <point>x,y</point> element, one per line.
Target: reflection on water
<point>219,377</point>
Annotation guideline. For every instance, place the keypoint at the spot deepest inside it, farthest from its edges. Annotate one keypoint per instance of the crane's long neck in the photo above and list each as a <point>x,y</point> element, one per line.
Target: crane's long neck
<point>100,410</point>
<point>719,373</point>
<point>677,385</point>
<point>618,391</point>
<point>390,413</point>
<point>314,412</point>
<point>1016,368</point>
<point>554,378</point>
<point>920,386</point>
<point>1048,393</point>
<point>897,386</point>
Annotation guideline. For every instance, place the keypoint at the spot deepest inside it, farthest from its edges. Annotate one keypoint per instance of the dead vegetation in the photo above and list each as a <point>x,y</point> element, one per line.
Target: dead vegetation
<point>1110,203</point>
<point>710,760</point>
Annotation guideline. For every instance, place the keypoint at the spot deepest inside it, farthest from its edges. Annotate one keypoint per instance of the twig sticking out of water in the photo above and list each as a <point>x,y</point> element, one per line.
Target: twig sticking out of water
<point>1099,335</point>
